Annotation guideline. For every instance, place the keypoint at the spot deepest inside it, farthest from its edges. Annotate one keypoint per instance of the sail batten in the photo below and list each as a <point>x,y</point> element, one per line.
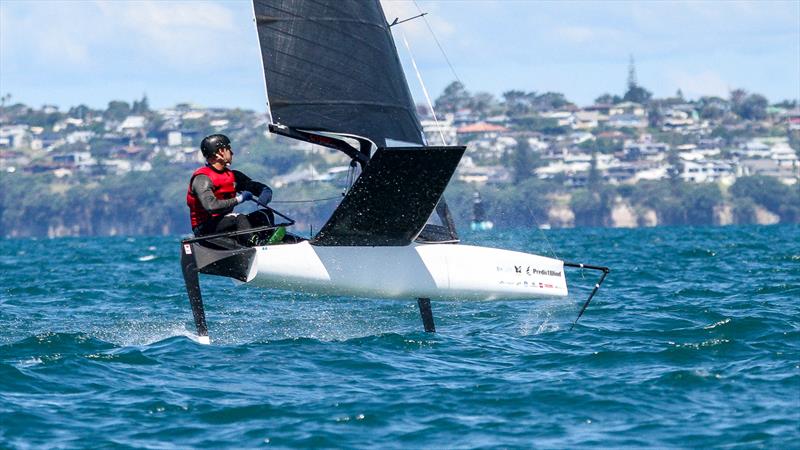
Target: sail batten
<point>333,66</point>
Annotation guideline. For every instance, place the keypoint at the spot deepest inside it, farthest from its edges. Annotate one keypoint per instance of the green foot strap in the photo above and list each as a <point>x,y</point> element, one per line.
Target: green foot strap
<point>277,236</point>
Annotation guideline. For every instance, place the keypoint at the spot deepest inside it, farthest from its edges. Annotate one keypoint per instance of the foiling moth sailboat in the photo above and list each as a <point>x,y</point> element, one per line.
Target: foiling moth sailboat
<point>334,79</point>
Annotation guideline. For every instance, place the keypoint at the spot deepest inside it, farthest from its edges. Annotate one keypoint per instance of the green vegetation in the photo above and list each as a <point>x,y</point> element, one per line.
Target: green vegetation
<point>154,203</point>
<point>135,203</point>
<point>769,193</point>
<point>674,203</point>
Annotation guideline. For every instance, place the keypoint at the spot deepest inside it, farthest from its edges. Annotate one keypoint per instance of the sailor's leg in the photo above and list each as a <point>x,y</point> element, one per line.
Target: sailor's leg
<point>192,280</point>
<point>242,222</point>
<point>263,218</point>
<point>427,314</point>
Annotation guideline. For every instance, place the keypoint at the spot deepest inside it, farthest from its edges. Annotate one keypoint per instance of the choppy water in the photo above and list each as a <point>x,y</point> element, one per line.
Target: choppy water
<point>694,341</point>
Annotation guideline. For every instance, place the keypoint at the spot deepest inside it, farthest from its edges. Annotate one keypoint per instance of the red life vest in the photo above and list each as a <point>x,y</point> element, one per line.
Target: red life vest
<point>222,183</point>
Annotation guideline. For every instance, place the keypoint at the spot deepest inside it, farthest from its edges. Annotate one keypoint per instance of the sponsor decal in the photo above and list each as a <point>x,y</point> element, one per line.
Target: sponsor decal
<point>548,273</point>
<point>531,284</point>
<point>187,249</point>
<point>530,271</point>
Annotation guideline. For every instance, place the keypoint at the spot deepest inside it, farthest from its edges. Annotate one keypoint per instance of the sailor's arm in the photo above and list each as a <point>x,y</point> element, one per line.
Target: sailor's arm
<point>202,187</point>
<point>244,183</point>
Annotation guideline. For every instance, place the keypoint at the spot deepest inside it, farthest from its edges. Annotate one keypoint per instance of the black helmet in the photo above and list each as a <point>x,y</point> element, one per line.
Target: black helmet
<point>212,143</point>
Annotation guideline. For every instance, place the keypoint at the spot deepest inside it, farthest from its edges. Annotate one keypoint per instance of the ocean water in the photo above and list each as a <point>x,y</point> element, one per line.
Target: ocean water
<point>693,341</point>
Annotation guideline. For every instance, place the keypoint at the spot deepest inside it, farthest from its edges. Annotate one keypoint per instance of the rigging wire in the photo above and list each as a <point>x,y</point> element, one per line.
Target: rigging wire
<point>441,49</point>
<point>424,89</point>
<point>351,178</point>
<point>544,235</point>
<point>309,200</point>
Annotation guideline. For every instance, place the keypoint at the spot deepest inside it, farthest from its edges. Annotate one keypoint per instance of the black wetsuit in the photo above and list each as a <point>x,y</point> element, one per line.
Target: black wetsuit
<point>202,188</point>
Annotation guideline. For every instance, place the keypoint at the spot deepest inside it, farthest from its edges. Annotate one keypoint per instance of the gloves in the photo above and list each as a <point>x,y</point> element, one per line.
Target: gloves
<point>266,196</point>
<point>243,196</point>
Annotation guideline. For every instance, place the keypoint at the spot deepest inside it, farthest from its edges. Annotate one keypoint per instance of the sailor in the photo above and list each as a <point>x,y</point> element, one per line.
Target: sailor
<point>215,189</point>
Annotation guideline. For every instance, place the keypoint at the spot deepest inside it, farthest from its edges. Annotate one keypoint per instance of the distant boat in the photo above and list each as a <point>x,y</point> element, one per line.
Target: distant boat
<point>334,79</point>
<point>479,221</point>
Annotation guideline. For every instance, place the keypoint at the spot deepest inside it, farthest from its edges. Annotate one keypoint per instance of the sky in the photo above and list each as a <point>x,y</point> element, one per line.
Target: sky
<point>206,52</point>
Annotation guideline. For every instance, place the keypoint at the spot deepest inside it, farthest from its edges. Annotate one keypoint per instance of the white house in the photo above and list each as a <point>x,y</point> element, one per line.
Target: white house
<point>79,136</point>
<point>174,138</point>
<point>14,136</point>
<point>784,155</point>
<point>706,171</point>
<point>441,132</point>
<point>586,120</point>
<point>132,125</point>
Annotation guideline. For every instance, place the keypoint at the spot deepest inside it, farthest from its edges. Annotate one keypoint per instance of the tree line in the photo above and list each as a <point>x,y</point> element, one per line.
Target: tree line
<point>153,203</point>
<point>530,202</point>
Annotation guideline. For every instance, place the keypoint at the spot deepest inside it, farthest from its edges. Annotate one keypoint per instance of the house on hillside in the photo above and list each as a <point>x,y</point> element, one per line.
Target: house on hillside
<point>67,123</point>
<point>469,172</point>
<point>133,126</point>
<point>123,166</point>
<point>182,154</point>
<point>174,138</point>
<point>675,119</point>
<point>792,119</point>
<point>578,138</point>
<point>14,136</point>
<point>480,130</point>
<point>490,150</point>
<point>710,143</point>
<point>130,152</point>
<point>627,121</point>
<point>708,171</point>
<point>193,114</point>
<point>562,118</point>
<point>769,168</point>
<point>627,109</point>
<point>762,147</point>
<point>691,152</point>
<point>219,124</point>
<point>79,136</point>
<point>77,160</point>
<point>587,120</point>
<point>631,172</point>
<point>51,141</point>
<point>574,167</point>
<point>436,131</point>
<point>785,156</point>
<point>644,149</point>
<point>300,174</point>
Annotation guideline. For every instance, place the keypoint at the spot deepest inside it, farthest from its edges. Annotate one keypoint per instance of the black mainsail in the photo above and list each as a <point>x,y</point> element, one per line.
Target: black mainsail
<point>332,66</point>
<point>332,72</point>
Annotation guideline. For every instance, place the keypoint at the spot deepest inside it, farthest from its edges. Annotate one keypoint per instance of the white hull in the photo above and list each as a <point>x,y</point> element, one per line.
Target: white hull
<point>435,271</point>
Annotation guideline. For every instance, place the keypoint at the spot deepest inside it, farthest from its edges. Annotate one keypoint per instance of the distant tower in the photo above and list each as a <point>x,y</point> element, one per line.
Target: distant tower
<point>631,74</point>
